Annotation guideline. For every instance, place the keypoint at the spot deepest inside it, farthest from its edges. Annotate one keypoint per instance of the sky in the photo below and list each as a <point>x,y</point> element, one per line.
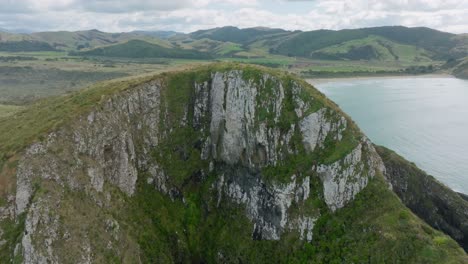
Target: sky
<point>191,15</point>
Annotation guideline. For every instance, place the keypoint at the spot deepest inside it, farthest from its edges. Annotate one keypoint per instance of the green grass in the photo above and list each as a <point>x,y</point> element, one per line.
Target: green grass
<point>461,70</point>
<point>22,85</point>
<point>7,110</point>
<point>375,228</point>
<point>12,233</point>
<point>384,50</point>
<point>49,114</point>
<point>303,44</point>
<point>39,54</point>
<point>383,230</point>
<point>229,48</point>
<point>55,73</point>
<point>270,61</point>
<point>142,49</point>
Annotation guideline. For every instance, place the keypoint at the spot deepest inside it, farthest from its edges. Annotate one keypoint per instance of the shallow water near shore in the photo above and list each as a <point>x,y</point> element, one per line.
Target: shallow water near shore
<point>423,119</point>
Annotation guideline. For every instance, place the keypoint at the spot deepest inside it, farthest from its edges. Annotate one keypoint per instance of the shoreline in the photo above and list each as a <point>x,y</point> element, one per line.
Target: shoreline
<point>338,79</point>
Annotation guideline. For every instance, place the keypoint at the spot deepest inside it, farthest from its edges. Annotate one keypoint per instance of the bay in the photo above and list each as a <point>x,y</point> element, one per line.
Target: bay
<point>423,119</point>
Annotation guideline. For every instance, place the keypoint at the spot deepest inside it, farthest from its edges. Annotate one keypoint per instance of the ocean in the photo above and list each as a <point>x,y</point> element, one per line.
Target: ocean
<point>425,120</point>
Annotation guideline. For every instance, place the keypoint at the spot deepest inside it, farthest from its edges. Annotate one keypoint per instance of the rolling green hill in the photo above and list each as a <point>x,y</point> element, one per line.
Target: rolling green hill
<point>234,34</point>
<point>214,47</point>
<point>77,40</point>
<point>372,48</point>
<point>442,45</point>
<point>395,43</point>
<point>157,34</point>
<point>395,46</point>
<point>25,45</point>
<point>91,39</point>
<point>143,49</point>
<point>8,36</point>
<point>461,69</point>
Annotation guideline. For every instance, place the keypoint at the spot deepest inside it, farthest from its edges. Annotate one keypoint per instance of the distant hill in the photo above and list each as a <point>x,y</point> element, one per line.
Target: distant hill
<point>372,48</point>
<point>379,43</point>
<point>89,39</point>
<point>143,49</point>
<point>391,43</point>
<point>157,34</point>
<point>442,45</point>
<point>25,45</point>
<point>235,35</point>
<point>461,69</point>
<point>6,36</point>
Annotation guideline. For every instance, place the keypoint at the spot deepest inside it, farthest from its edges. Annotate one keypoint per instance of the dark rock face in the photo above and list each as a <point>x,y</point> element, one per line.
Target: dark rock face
<point>464,196</point>
<point>435,203</point>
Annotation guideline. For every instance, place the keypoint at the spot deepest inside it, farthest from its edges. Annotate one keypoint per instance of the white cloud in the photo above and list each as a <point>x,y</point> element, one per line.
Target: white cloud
<point>190,15</point>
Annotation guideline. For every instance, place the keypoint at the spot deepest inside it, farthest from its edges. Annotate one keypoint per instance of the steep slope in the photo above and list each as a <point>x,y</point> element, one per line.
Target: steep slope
<point>142,49</point>
<point>439,206</point>
<point>225,163</point>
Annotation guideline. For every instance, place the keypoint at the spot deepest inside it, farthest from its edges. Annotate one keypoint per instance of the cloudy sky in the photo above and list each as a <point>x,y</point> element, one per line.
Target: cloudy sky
<point>191,15</point>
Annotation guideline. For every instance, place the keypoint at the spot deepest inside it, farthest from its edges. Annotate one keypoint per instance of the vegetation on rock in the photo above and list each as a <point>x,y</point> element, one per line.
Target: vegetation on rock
<point>224,163</point>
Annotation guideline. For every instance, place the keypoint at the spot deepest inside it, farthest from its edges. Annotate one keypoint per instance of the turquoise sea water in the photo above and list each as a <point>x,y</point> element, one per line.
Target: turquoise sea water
<point>423,119</point>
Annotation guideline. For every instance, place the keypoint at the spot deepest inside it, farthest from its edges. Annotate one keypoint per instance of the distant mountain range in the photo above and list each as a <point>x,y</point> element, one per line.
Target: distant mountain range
<point>391,43</point>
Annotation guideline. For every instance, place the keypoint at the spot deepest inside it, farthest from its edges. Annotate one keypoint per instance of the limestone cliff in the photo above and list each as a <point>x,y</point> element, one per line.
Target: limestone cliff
<point>195,167</point>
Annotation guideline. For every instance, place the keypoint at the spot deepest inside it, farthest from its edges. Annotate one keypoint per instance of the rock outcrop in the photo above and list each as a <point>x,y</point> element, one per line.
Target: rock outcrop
<point>225,141</point>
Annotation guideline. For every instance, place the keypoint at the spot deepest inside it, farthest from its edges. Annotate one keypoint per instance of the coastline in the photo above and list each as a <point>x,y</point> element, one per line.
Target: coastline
<point>340,79</point>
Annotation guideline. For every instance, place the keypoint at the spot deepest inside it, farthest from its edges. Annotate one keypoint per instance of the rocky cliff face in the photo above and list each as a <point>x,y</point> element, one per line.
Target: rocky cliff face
<point>142,176</point>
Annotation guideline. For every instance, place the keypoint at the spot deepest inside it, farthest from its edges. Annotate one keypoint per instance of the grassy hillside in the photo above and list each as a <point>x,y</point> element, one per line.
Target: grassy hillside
<point>7,36</point>
<point>142,49</point>
<point>431,200</point>
<point>7,110</point>
<point>379,43</point>
<point>372,48</point>
<point>214,47</point>
<point>234,34</point>
<point>22,85</point>
<point>303,44</point>
<point>461,69</point>
<point>375,228</point>
<point>438,42</point>
<point>157,34</point>
<point>25,45</point>
<point>442,45</point>
<point>77,40</point>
